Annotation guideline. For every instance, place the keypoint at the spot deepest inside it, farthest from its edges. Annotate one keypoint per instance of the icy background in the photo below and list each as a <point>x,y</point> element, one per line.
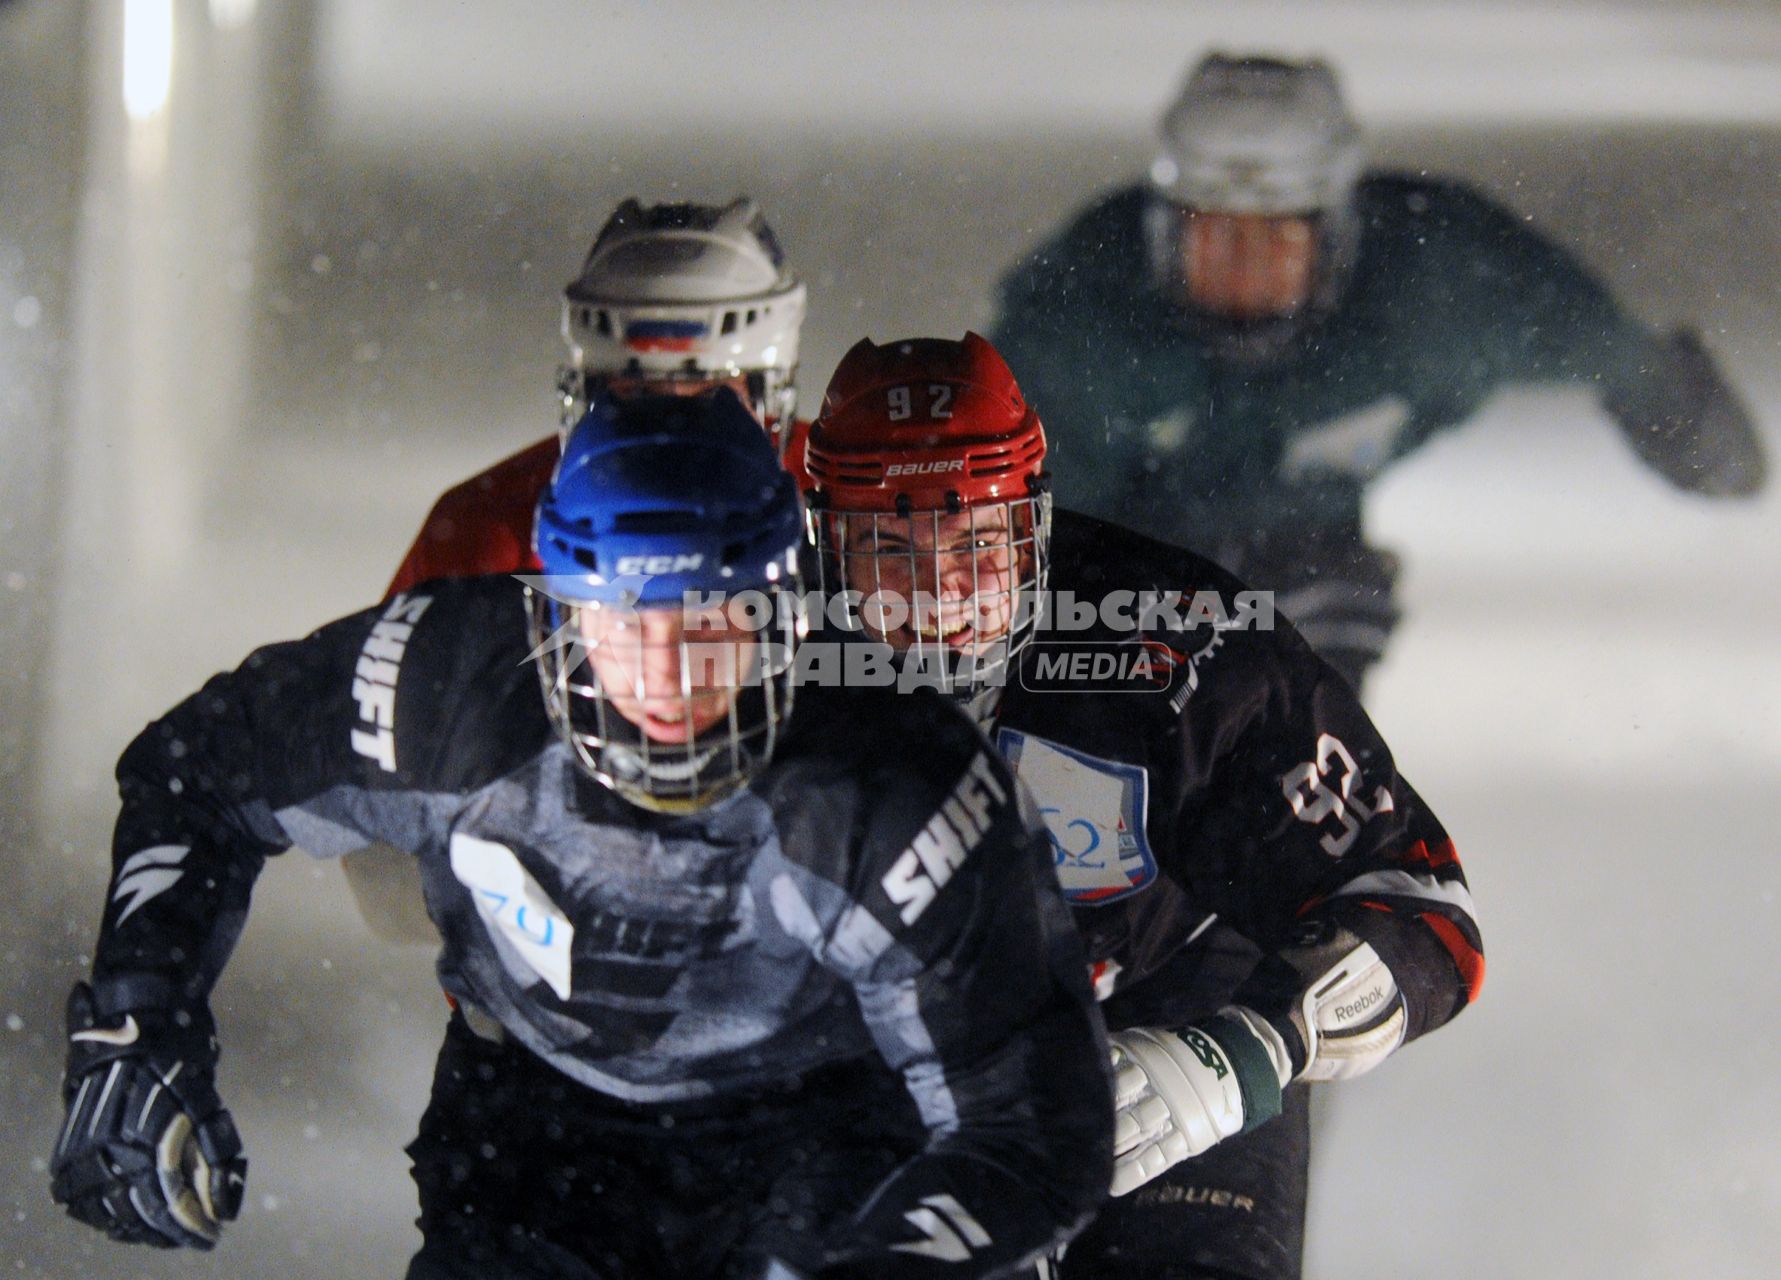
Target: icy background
<point>246,338</point>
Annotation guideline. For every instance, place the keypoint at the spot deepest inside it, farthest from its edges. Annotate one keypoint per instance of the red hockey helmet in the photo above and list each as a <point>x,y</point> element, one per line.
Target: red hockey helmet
<point>926,424</point>
<point>928,498</point>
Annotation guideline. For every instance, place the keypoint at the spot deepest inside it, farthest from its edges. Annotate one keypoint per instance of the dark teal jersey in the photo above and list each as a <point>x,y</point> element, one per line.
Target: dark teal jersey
<point>1451,297</point>
<point>1263,463</point>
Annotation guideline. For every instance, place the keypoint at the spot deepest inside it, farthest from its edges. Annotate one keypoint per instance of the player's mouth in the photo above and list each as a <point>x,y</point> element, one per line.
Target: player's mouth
<point>955,630</point>
<point>678,723</point>
<point>961,631</point>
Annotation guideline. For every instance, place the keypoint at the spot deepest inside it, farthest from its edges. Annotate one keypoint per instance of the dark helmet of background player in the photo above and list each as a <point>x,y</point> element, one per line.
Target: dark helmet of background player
<point>1251,226</point>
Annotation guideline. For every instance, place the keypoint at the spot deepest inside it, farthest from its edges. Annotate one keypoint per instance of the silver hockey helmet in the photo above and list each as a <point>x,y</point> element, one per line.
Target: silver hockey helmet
<point>684,292</point>
<point>1263,155</point>
<point>1259,135</point>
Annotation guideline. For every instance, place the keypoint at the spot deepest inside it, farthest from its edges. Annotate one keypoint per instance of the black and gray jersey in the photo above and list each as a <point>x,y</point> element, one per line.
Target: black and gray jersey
<point>877,894</point>
<point>1216,795</point>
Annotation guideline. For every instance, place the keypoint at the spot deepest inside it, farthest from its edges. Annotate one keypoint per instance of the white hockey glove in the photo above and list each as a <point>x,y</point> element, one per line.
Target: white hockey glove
<point>147,1153</point>
<point>1351,1017</point>
<point>1177,1095</point>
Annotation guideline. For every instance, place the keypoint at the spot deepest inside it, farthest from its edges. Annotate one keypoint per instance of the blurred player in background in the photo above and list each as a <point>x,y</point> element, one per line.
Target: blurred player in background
<point>1230,352</point>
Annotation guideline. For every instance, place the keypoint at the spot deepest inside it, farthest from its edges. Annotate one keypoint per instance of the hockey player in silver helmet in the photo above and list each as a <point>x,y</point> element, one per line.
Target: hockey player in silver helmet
<point>1231,350</point>
<point>672,299</point>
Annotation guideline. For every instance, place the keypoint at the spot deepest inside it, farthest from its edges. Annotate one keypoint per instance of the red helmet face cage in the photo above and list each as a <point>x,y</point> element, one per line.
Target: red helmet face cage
<point>929,502</point>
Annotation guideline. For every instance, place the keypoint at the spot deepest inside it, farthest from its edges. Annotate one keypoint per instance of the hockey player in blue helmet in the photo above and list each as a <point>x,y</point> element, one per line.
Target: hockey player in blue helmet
<point>1229,353</point>
<point>718,1012</point>
<point>673,706</point>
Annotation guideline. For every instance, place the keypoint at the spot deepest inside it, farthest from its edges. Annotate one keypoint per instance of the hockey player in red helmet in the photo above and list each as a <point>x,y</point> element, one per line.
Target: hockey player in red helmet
<point>1265,900</point>
<point>946,550</point>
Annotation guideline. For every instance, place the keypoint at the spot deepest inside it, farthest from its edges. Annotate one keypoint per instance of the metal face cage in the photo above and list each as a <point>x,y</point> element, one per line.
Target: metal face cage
<point>956,593</point>
<point>673,708</point>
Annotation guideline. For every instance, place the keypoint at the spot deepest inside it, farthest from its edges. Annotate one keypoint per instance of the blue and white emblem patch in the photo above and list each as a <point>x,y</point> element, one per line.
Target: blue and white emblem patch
<point>1094,811</point>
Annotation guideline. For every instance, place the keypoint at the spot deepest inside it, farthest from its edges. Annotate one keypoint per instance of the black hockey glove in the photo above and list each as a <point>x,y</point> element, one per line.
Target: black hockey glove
<point>147,1153</point>
<point>1689,425</point>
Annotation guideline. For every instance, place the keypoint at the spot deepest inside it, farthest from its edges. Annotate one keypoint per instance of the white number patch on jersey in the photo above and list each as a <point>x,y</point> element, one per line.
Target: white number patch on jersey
<point>514,907</point>
<point>1094,811</point>
<point>1358,443</point>
<point>1308,789</point>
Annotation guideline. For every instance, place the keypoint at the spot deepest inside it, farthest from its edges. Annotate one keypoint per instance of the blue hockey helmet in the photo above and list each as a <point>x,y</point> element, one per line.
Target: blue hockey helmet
<point>669,603</point>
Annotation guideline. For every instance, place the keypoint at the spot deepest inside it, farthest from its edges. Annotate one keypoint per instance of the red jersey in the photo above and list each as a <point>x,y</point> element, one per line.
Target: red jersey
<point>484,525</point>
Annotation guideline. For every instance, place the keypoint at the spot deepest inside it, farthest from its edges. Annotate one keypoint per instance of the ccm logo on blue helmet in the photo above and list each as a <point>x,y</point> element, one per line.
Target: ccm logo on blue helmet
<point>940,848</point>
<point>659,564</point>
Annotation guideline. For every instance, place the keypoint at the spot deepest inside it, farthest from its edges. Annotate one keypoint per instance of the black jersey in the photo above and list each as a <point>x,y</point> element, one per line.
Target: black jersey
<point>877,895</point>
<point>1228,781</point>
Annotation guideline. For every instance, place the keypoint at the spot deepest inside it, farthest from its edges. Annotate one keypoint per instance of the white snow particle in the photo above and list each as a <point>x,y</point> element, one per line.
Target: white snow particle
<point>26,312</point>
<point>14,1022</point>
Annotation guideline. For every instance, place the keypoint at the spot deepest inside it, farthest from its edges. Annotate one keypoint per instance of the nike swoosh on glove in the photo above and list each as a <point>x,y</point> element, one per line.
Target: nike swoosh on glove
<point>147,1154</point>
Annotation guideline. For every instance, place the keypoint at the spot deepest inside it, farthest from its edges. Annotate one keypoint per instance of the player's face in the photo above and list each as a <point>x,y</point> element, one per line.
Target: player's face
<point>942,578</point>
<point>627,386</point>
<point>1248,266</point>
<point>672,673</point>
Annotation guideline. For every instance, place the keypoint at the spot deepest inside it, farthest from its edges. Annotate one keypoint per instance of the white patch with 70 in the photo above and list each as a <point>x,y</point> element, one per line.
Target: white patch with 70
<point>1358,443</point>
<point>515,907</point>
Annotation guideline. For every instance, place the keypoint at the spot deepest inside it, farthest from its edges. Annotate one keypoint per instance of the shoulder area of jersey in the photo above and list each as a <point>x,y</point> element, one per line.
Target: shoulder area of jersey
<point>867,723</point>
<point>1107,235</point>
<point>1423,200</point>
<point>485,610</point>
<point>1090,555</point>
